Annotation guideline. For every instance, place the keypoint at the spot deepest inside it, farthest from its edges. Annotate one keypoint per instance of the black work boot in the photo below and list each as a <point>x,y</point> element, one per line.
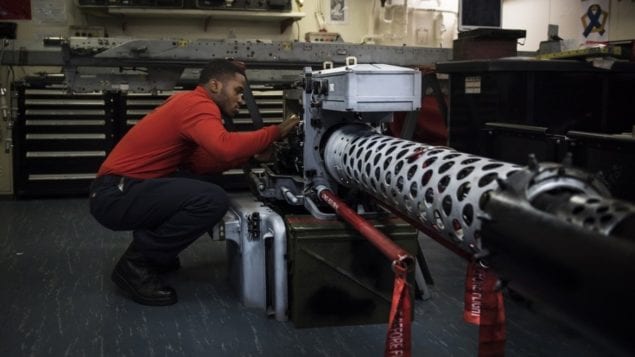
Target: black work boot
<point>172,265</point>
<point>134,275</point>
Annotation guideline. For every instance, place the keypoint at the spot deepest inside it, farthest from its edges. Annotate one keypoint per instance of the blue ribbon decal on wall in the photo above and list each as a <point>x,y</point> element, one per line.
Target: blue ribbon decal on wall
<point>594,21</point>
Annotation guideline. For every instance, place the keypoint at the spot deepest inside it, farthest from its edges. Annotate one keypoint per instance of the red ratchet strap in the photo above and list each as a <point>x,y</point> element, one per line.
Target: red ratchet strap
<point>399,324</point>
<point>398,337</point>
<point>484,307</point>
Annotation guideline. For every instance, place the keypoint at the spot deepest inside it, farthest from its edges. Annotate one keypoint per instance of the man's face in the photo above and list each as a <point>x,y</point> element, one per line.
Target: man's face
<point>228,93</point>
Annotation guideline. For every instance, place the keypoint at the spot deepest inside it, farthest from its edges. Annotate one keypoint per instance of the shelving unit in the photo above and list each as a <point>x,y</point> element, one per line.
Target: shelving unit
<point>285,19</point>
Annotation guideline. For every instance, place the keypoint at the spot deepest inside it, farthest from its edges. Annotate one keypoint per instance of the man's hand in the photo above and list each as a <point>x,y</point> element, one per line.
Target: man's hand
<point>288,124</point>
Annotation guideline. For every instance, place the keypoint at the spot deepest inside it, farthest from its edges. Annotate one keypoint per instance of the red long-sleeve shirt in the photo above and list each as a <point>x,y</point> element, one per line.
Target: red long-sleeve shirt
<point>166,139</point>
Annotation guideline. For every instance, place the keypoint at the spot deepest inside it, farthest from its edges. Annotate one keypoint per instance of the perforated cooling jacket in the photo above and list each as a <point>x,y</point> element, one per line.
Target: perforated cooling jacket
<point>445,189</point>
<point>437,186</point>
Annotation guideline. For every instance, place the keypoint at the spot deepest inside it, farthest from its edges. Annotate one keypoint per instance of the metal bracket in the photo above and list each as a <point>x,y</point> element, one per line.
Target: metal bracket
<point>8,145</point>
<point>253,225</point>
<point>4,108</point>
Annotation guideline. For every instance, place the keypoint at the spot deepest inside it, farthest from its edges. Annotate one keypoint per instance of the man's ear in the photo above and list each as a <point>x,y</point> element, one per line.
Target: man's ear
<point>214,86</point>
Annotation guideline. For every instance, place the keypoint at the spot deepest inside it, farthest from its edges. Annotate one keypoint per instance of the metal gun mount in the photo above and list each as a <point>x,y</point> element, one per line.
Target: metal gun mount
<point>333,97</point>
<point>462,200</point>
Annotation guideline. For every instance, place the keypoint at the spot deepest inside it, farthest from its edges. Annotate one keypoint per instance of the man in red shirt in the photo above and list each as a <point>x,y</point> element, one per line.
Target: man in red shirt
<point>141,186</point>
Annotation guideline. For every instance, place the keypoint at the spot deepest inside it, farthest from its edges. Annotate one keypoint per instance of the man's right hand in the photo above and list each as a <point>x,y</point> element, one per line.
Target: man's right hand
<point>288,124</point>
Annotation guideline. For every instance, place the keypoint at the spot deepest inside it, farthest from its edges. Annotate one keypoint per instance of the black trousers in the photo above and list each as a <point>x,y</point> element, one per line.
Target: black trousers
<point>165,214</point>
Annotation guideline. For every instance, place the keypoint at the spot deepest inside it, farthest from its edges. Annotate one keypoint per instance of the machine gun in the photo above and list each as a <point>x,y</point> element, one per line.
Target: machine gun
<point>550,230</point>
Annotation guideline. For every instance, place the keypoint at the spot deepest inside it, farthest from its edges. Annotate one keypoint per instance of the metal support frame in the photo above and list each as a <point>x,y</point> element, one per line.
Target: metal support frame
<point>109,51</point>
<point>146,65</point>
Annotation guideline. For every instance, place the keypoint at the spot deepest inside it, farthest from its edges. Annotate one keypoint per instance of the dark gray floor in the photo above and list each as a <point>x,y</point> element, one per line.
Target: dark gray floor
<point>56,299</point>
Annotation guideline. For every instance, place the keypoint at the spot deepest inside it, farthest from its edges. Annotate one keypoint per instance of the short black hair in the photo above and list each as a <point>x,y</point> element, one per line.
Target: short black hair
<point>219,69</point>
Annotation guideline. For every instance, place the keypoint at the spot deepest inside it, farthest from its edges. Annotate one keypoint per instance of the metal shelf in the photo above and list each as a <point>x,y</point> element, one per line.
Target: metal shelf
<point>284,18</point>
